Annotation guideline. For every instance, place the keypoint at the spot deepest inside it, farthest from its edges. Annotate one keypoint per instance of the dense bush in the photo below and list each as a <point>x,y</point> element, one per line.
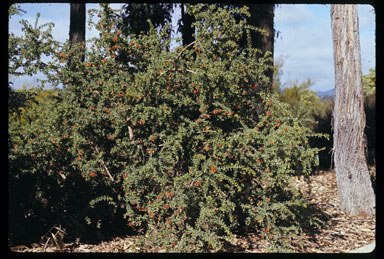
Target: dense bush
<point>187,145</point>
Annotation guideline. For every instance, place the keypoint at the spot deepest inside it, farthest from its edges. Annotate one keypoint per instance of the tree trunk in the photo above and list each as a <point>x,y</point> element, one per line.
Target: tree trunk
<point>353,180</point>
<point>262,16</point>
<point>187,29</point>
<point>77,24</point>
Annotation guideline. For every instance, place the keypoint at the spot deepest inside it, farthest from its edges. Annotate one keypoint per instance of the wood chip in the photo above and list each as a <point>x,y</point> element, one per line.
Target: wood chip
<point>342,235</point>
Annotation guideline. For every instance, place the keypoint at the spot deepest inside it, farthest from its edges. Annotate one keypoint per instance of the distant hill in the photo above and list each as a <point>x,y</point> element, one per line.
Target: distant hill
<point>323,94</point>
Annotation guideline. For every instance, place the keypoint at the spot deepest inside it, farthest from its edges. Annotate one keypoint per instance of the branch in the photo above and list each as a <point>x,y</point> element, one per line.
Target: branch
<point>105,167</point>
<point>178,56</point>
<point>206,131</point>
<point>191,71</point>
<point>179,69</point>
<point>190,44</point>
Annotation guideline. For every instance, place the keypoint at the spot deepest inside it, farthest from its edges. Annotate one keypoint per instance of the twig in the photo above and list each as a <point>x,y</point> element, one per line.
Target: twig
<point>206,131</point>
<point>190,44</point>
<point>178,56</point>
<point>48,232</point>
<point>179,69</point>
<point>130,133</point>
<point>154,170</point>
<point>191,71</point>
<point>105,167</point>
<point>46,243</point>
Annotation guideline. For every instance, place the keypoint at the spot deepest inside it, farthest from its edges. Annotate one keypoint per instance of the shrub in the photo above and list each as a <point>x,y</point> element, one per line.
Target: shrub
<point>189,143</point>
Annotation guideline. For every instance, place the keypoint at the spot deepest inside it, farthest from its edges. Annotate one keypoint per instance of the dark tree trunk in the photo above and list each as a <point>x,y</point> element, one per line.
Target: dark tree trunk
<point>187,30</point>
<point>353,180</point>
<point>77,24</point>
<point>135,16</point>
<point>262,16</point>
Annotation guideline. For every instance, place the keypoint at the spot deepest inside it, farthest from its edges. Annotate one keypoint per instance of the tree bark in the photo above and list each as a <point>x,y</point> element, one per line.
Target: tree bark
<point>353,180</point>
<point>187,29</point>
<point>77,24</point>
<point>262,16</point>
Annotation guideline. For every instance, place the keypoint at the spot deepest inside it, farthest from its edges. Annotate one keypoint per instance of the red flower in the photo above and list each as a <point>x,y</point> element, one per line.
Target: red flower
<point>213,169</point>
<point>170,194</point>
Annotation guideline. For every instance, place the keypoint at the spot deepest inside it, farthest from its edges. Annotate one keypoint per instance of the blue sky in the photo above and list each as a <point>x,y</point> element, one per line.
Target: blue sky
<point>304,42</point>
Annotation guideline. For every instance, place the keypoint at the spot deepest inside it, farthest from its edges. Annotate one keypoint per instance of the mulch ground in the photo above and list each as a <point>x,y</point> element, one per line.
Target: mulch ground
<point>342,234</point>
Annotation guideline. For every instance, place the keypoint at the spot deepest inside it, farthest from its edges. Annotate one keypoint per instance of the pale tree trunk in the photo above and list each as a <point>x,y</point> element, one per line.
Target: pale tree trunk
<point>353,180</point>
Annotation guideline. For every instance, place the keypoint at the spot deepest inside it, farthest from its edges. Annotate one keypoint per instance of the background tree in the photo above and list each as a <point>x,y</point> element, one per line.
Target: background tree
<point>304,102</point>
<point>354,184</point>
<point>135,16</point>
<point>369,85</point>
<point>77,24</point>
<point>262,16</point>
<point>277,73</point>
<point>185,26</point>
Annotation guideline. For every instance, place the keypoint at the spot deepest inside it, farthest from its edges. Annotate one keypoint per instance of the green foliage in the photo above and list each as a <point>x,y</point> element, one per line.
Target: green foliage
<point>369,86</point>
<point>305,103</point>
<point>369,83</point>
<point>185,145</point>
<point>25,53</point>
<point>314,112</point>
<point>135,13</point>
<point>21,103</point>
<point>14,9</point>
<point>277,73</point>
